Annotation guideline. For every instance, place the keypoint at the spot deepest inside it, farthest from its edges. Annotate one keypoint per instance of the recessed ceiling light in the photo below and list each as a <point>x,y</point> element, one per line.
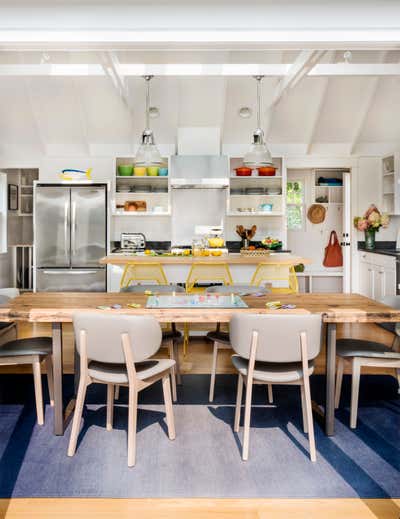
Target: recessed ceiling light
<point>245,112</point>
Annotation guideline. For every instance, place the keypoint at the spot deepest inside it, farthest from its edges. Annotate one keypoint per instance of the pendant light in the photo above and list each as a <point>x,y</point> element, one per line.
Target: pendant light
<point>148,154</point>
<point>258,155</point>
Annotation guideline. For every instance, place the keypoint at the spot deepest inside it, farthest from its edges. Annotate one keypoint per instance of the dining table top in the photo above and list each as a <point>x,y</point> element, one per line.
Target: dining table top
<point>59,307</point>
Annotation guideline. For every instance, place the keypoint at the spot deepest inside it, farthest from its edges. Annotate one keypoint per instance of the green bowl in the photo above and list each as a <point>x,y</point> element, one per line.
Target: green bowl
<point>124,170</point>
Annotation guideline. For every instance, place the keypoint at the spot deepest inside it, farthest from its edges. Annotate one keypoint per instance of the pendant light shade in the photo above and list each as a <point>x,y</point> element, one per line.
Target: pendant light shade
<point>258,155</point>
<point>148,154</point>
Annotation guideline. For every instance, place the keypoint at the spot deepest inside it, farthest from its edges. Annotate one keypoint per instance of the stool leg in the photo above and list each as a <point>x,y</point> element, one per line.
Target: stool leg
<point>355,388</point>
<point>270,394</point>
<point>339,380</point>
<point>213,372</point>
<point>37,379</point>
<point>110,406</point>
<point>50,378</point>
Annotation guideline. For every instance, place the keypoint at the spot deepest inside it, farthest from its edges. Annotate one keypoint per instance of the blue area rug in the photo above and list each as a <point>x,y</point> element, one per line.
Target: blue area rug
<point>205,459</point>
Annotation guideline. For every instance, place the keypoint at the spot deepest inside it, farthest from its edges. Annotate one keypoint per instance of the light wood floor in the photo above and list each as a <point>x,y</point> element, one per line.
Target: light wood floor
<point>200,508</point>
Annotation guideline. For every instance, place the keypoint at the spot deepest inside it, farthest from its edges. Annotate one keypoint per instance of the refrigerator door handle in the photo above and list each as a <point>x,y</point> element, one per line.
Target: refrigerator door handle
<point>73,228</point>
<point>68,272</point>
<point>66,204</point>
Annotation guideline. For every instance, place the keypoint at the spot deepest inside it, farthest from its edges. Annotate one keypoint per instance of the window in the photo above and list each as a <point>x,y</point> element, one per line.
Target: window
<point>295,205</point>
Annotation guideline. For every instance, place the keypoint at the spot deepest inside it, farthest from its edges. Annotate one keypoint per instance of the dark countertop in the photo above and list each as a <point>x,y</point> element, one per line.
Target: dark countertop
<point>386,248</point>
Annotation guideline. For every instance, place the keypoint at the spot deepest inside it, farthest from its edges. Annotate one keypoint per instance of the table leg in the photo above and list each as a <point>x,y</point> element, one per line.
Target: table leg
<point>58,371</point>
<point>330,379</point>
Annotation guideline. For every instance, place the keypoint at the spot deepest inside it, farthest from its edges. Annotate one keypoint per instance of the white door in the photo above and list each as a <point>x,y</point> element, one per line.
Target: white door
<point>346,233</point>
<point>3,213</point>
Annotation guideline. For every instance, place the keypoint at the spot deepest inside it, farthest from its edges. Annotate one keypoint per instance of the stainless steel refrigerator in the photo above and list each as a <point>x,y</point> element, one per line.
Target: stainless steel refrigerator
<point>70,236</point>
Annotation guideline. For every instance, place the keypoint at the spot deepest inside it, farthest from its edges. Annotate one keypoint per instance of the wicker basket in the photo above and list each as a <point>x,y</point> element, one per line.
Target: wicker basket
<point>263,252</point>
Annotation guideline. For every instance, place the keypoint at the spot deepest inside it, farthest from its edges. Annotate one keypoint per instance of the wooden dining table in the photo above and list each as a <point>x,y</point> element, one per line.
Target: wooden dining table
<point>59,307</point>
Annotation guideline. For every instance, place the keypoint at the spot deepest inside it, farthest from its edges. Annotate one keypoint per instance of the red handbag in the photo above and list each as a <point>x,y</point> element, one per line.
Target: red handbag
<point>333,252</point>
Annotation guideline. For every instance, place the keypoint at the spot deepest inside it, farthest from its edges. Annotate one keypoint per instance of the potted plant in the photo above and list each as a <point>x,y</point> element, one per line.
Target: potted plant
<point>370,223</point>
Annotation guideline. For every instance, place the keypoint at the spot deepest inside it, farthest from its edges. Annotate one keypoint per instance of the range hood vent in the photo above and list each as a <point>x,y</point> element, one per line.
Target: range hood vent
<point>199,172</point>
<point>201,183</point>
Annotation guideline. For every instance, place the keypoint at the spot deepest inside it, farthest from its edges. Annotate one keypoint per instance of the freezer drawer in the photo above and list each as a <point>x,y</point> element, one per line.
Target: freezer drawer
<point>71,280</point>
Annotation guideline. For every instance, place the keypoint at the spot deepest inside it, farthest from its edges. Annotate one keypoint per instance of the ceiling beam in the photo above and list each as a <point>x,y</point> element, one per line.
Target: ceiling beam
<point>111,68</point>
<point>143,69</point>
<point>318,102</point>
<point>289,73</point>
<point>303,63</point>
<point>356,69</point>
<point>370,90</point>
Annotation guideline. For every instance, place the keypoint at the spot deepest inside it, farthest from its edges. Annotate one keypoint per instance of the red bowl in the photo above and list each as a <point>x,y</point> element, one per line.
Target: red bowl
<point>243,172</point>
<point>267,171</point>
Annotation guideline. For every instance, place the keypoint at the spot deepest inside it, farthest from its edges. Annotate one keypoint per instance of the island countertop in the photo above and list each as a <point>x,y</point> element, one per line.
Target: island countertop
<point>230,258</point>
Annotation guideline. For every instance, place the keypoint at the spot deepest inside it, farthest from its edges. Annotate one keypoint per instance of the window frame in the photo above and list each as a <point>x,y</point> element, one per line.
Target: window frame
<point>301,179</point>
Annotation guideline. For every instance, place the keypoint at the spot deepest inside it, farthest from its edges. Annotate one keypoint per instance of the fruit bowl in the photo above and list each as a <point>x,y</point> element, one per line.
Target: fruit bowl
<point>271,243</point>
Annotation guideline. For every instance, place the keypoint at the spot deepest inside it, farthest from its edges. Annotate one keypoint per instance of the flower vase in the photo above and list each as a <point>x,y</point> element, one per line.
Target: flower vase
<point>370,239</point>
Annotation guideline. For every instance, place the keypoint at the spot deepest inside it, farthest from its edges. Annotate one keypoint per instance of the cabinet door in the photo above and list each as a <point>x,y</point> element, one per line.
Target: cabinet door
<point>378,282</point>
<point>389,283</point>
<point>366,279</point>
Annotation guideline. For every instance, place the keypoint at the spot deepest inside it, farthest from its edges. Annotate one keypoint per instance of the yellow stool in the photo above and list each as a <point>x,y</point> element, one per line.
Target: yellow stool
<point>143,272</point>
<point>206,272</point>
<point>283,274</point>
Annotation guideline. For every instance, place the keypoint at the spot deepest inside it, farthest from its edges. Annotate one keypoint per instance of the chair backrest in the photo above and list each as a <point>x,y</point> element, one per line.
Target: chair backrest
<point>150,272</point>
<point>393,301</point>
<point>154,288</point>
<point>104,332</point>
<point>236,289</point>
<point>8,293</point>
<point>208,272</point>
<point>281,277</point>
<point>278,336</point>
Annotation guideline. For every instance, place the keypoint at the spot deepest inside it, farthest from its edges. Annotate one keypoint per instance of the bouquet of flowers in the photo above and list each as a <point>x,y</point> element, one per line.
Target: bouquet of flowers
<point>372,220</point>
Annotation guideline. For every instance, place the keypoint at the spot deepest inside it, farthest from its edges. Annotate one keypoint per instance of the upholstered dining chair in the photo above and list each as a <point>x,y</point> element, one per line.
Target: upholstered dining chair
<point>221,339</point>
<point>359,353</point>
<point>116,349</point>
<point>32,351</point>
<point>275,349</point>
<point>170,335</point>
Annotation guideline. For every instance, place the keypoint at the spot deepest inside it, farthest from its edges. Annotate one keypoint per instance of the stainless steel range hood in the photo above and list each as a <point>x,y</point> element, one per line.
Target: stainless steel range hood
<point>199,172</point>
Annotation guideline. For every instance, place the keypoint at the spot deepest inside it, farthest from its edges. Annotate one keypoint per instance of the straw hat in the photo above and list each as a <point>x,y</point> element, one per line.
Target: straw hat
<point>316,213</point>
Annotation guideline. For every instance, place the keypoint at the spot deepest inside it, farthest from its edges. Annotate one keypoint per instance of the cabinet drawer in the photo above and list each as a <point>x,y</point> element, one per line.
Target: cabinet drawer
<point>388,262</point>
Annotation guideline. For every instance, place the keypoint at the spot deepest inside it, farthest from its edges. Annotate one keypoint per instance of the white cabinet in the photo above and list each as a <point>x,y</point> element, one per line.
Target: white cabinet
<point>391,184</point>
<point>377,275</point>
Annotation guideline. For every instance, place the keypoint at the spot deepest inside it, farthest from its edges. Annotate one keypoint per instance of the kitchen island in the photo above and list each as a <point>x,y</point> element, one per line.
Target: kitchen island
<point>176,268</point>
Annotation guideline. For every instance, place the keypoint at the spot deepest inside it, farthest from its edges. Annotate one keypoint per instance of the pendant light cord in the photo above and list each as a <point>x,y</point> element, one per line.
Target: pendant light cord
<point>148,78</point>
<point>259,79</point>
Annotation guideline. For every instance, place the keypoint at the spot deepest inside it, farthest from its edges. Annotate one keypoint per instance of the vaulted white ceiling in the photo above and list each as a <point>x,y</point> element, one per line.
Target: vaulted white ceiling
<point>60,115</point>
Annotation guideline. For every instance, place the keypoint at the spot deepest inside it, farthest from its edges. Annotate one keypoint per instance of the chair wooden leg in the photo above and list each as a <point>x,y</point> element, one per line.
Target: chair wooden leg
<point>177,365</point>
<point>270,394</point>
<point>173,369</point>
<point>168,407</point>
<point>339,380</point>
<point>110,406</point>
<point>185,338</point>
<point>76,422</point>
<point>303,409</point>
<point>355,388</point>
<point>50,378</point>
<point>247,413</point>
<point>132,421</point>
<point>310,424</point>
<point>213,372</point>
<point>37,379</point>
<point>116,394</point>
<point>239,395</point>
